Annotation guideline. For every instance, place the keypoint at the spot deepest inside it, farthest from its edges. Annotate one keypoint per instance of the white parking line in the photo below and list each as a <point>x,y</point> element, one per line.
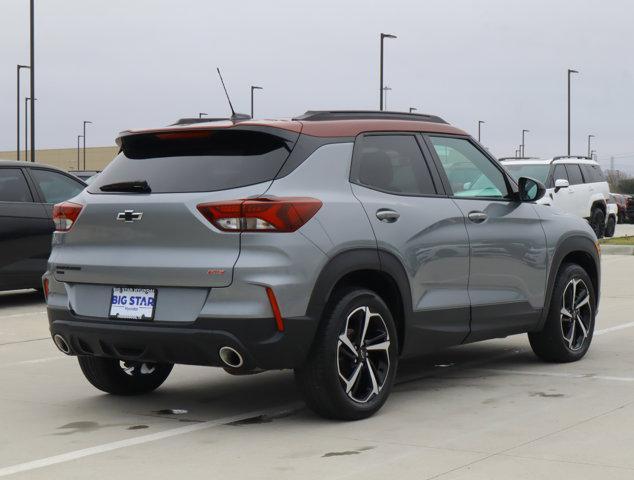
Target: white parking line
<point>108,447</point>
<point>613,329</point>
<point>24,314</point>
<point>34,361</point>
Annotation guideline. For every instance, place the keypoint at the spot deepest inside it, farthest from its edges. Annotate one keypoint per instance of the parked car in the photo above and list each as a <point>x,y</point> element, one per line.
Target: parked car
<point>28,192</point>
<point>575,185</point>
<point>629,211</point>
<point>621,202</point>
<point>333,244</point>
<point>87,176</point>
<point>612,213</point>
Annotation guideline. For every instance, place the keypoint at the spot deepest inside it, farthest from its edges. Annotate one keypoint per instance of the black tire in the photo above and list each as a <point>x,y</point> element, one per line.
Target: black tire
<point>319,379</point>
<point>620,218</point>
<point>108,375</point>
<point>554,343</point>
<point>610,227</point>
<point>597,221</point>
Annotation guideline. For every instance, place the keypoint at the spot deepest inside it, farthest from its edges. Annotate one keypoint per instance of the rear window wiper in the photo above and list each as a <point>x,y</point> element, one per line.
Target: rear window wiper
<point>135,186</point>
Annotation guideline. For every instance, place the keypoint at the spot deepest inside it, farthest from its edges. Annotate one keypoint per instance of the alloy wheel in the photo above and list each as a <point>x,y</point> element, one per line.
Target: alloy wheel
<point>363,359</point>
<point>576,314</point>
<point>134,369</point>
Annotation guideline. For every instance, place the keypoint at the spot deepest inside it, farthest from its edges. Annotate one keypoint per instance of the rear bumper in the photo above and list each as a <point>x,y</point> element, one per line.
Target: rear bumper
<point>196,343</point>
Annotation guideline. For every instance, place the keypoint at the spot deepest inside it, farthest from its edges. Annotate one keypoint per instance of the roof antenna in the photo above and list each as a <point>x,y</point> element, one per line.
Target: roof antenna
<point>234,116</point>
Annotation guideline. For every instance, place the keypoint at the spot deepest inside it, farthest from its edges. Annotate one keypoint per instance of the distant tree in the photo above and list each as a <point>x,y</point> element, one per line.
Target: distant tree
<point>626,185</point>
<point>615,179</point>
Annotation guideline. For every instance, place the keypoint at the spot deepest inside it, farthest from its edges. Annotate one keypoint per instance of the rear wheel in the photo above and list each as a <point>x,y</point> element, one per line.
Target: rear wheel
<point>597,221</point>
<point>569,327</point>
<point>351,367</point>
<point>123,378</point>
<point>610,227</point>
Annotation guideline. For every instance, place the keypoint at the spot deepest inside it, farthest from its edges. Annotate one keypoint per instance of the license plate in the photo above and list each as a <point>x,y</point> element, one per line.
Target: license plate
<point>133,303</point>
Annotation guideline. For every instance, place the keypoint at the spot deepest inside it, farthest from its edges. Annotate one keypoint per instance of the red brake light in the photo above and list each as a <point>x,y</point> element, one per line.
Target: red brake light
<point>45,288</point>
<point>65,215</point>
<point>271,214</point>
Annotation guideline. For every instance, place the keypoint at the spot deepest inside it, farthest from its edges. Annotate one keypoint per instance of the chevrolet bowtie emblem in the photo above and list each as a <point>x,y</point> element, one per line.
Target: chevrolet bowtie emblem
<point>129,216</point>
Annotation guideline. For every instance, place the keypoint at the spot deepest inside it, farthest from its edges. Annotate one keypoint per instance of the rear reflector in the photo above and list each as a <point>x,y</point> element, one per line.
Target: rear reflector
<point>65,215</point>
<point>279,322</point>
<point>273,214</point>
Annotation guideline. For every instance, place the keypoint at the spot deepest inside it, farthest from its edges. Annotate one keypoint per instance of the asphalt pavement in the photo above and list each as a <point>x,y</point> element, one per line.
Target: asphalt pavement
<point>483,411</point>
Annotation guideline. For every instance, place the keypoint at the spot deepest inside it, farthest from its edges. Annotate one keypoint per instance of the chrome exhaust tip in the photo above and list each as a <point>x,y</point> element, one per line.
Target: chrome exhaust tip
<point>61,343</point>
<point>231,357</point>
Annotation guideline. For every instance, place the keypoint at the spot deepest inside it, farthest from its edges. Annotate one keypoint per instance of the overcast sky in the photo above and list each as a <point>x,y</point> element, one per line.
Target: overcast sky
<point>138,63</point>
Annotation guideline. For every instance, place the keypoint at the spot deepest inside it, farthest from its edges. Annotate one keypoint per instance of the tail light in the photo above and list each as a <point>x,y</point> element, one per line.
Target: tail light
<point>273,214</point>
<point>65,215</point>
<point>45,288</point>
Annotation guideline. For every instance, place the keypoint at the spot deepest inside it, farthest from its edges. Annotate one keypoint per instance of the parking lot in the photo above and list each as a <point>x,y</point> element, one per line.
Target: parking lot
<point>488,410</point>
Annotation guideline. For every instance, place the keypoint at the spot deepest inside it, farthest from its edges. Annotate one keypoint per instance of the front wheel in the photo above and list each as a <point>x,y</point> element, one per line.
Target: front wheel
<point>597,222</point>
<point>351,367</point>
<point>569,327</point>
<point>123,378</point>
<point>610,227</point>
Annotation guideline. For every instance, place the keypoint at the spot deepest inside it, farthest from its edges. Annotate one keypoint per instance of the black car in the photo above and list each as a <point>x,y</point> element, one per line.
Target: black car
<point>27,194</point>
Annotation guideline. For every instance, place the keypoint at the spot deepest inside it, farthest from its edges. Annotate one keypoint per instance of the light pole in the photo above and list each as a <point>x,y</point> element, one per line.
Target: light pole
<point>26,130</point>
<point>589,151</point>
<point>523,146</point>
<point>569,73</point>
<point>18,106</point>
<point>480,122</point>
<point>412,109</point>
<point>78,137</point>
<point>200,115</point>
<point>383,37</point>
<point>84,135</point>
<point>253,87</point>
<point>385,90</point>
<point>32,71</point>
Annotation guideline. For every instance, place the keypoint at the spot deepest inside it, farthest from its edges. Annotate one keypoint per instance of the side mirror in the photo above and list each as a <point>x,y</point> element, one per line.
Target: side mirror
<point>530,190</point>
<point>561,183</point>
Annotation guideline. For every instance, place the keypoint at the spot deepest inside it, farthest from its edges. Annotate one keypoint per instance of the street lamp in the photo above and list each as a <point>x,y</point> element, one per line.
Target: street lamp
<point>84,135</point>
<point>412,109</point>
<point>253,87</point>
<point>17,122</point>
<point>385,90</point>
<point>523,146</point>
<point>383,37</point>
<point>569,73</point>
<point>32,72</point>
<point>589,151</point>
<point>26,130</point>
<point>78,137</point>
<point>200,115</point>
<point>480,122</point>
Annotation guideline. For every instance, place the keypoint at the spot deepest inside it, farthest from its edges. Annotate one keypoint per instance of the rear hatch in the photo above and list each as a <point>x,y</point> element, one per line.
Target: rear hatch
<point>139,224</point>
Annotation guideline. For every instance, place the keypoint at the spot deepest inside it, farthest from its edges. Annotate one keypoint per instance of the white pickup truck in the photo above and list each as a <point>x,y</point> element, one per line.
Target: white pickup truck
<point>575,185</point>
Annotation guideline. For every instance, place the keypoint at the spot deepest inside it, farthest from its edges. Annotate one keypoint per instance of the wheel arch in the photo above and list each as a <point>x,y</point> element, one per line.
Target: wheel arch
<point>378,271</point>
<point>573,249</point>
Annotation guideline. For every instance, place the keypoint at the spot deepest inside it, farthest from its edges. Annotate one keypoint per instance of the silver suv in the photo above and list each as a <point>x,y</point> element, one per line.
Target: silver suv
<point>333,244</point>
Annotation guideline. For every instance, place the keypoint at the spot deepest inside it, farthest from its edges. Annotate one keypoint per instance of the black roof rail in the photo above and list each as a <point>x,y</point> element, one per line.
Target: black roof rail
<point>319,115</point>
<point>582,157</point>
<point>191,121</point>
<point>501,159</point>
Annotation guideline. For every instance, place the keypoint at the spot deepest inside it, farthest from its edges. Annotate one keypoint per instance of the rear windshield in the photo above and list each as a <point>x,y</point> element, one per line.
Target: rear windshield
<point>197,161</point>
<point>535,171</point>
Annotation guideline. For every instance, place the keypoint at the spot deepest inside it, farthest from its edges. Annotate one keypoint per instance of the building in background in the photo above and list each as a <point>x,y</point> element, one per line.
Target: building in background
<point>66,158</point>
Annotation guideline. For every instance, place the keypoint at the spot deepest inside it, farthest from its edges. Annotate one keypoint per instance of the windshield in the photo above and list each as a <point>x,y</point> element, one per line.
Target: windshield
<point>202,161</point>
<point>535,171</point>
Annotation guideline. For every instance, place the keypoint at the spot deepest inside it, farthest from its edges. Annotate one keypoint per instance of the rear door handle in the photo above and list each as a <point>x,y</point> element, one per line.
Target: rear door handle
<point>477,217</point>
<point>387,216</point>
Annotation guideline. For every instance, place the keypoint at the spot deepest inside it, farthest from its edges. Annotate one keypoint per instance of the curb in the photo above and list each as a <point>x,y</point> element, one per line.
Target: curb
<point>617,250</point>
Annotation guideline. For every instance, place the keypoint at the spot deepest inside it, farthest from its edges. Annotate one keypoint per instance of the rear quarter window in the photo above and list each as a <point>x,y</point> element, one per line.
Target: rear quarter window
<point>197,161</point>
